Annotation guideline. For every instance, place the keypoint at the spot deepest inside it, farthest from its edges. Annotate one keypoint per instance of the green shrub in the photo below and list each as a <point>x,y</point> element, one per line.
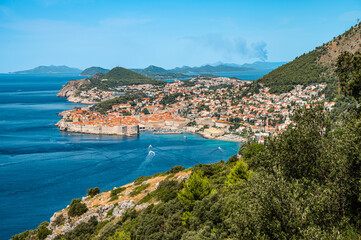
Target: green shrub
<point>238,173</point>
<point>195,188</point>
<point>59,220</point>
<point>110,212</point>
<point>166,191</point>
<point>84,230</point>
<point>251,149</point>
<point>116,191</point>
<point>141,179</point>
<point>232,159</point>
<point>77,208</point>
<point>23,236</point>
<point>139,189</point>
<point>43,231</point>
<point>177,169</point>
<point>120,236</point>
<point>93,191</point>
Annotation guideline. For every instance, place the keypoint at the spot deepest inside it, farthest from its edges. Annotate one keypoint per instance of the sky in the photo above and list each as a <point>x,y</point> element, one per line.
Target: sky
<point>139,33</point>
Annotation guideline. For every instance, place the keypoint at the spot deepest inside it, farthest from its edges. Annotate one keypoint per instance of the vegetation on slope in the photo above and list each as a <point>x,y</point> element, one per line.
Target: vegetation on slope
<point>126,77</point>
<point>104,106</point>
<point>314,67</point>
<point>159,73</point>
<point>304,70</point>
<point>116,77</point>
<point>303,184</point>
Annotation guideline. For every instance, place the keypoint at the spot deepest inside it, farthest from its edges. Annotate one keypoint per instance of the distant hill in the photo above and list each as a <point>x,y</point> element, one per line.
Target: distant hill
<point>210,69</point>
<point>93,70</point>
<point>316,66</point>
<point>49,69</point>
<point>159,73</point>
<point>116,77</point>
<point>155,69</point>
<point>119,76</point>
<point>256,65</point>
<point>263,65</point>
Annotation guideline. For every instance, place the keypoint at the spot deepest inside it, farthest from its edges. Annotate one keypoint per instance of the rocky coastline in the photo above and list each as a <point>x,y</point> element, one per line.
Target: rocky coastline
<point>110,205</point>
<point>69,91</point>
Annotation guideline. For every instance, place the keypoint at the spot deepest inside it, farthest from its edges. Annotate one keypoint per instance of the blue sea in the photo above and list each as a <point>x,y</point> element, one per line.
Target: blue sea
<point>43,169</point>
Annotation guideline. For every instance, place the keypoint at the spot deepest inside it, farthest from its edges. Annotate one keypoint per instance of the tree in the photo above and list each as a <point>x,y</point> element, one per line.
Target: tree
<point>348,70</point>
<point>43,231</point>
<point>238,173</point>
<point>120,236</point>
<point>195,188</point>
<point>251,149</point>
<point>145,111</point>
<point>93,191</point>
<point>77,208</point>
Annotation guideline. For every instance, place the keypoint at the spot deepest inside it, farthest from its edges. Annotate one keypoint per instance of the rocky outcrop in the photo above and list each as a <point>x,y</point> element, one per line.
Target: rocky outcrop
<point>70,91</point>
<point>104,207</point>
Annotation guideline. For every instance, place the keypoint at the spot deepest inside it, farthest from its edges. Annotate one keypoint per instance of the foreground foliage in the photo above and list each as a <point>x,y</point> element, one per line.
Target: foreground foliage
<point>303,185</point>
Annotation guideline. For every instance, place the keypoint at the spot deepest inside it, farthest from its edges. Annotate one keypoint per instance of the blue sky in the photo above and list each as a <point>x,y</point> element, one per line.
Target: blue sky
<point>84,33</point>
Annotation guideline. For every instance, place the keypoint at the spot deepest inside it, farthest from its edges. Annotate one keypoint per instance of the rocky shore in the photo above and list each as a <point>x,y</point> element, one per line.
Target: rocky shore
<point>109,205</point>
<point>70,90</point>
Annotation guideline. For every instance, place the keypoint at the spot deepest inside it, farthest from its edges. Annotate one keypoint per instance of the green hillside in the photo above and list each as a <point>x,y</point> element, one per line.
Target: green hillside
<point>304,70</point>
<point>119,76</point>
<point>316,66</point>
<point>159,73</point>
<point>126,77</point>
<point>93,70</point>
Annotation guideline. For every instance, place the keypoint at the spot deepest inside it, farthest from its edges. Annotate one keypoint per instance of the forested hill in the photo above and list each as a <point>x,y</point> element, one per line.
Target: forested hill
<point>315,66</point>
<point>159,73</point>
<point>93,70</point>
<point>125,76</point>
<point>118,76</point>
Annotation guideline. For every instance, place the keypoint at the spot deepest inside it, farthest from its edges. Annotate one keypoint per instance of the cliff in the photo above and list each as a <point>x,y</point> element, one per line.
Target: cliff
<point>71,89</point>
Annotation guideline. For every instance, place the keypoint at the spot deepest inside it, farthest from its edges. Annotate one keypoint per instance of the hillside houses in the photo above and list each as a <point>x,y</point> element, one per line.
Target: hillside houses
<point>219,103</point>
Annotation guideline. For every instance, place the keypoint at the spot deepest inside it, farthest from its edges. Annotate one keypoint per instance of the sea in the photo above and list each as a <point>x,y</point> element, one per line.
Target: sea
<point>42,169</point>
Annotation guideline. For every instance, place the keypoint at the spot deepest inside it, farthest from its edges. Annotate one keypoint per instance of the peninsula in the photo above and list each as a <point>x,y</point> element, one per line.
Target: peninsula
<point>215,107</point>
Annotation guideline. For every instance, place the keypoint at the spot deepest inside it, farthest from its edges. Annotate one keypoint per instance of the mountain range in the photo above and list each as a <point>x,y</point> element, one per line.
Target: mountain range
<point>227,67</point>
<point>156,72</point>
<point>50,69</point>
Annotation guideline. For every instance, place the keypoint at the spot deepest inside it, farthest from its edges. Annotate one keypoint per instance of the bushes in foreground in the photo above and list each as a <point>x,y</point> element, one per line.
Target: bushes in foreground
<point>303,185</point>
<point>93,191</point>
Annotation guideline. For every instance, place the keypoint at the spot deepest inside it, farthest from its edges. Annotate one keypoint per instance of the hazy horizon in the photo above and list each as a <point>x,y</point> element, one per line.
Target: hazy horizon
<point>211,64</point>
<point>136,34</point>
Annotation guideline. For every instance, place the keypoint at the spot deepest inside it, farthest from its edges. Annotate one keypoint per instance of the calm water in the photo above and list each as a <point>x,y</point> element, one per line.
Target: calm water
<point>245,75</point>
<point>42,169</point>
